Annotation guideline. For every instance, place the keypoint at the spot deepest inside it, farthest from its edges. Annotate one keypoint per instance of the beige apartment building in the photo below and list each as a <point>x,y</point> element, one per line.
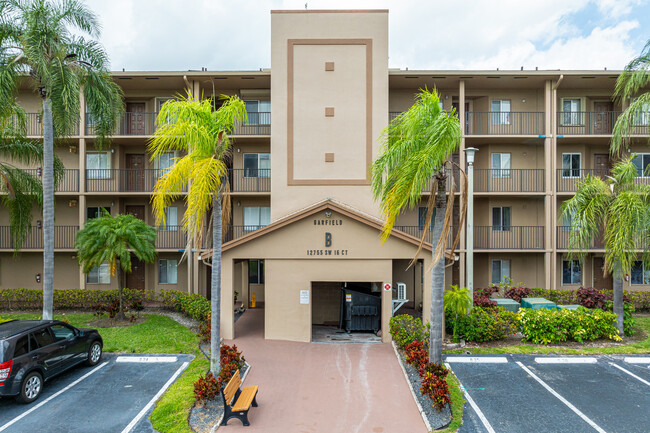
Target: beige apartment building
<point>304,223</point>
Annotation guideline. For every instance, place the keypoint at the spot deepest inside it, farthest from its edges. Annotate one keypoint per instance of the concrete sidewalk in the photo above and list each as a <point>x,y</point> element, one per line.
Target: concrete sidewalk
<point>310,387</point>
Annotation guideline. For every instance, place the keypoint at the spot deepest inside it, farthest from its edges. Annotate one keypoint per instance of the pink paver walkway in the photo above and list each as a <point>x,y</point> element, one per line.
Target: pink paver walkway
<point>315,387</point>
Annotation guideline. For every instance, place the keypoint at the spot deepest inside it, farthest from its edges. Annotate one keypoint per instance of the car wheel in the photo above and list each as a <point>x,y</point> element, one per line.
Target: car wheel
<point>31,387</point>
<point>94,353</point>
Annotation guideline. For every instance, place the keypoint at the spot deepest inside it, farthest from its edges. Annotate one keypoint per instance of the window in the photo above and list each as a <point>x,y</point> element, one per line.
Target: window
<point>571,272</point>
<point>256,271</point>
<point>500,271</point>
<point>640,273</point>
<point>571,111</point>
<point>501,112</point>
<point>165,160</point>
<point>641,161</point>
<point>500,218</point>
<point>22,347</point>
<point>61,332</point>
<point>171,219</point>
<point>96,211</point>
<point>257,165</point>
<point>422,217</point>
<point>256,217</point>
<point>160,102</point>
<point>500,165</point>
<point>99,275</point>
<point>98,165</point>
<point>259,112</point>
<point>43,337</point>
<point>167,271</point>
<point>642,116</point>
<point>571,164</point>
<point>567,220</point>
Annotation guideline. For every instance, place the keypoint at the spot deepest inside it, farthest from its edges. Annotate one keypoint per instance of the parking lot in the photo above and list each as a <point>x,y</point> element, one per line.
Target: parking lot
<point>115,396</point>
<point>526,393</point>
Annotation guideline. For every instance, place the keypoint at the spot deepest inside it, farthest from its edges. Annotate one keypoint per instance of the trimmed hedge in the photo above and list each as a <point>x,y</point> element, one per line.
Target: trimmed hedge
<point>406,329</point>
<point>593,298</point>
<point>556,326</point>
<point>195,306</point>
<point>484,324</point>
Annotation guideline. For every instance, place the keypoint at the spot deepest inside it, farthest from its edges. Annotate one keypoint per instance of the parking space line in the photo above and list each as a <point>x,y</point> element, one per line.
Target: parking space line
<point>471,402</point>
<point>477,359</point>
<point>637,360</point>
<point>155,398</point>
<point>631,374</point>
<point>562,399</point>
<point>146,359</point>
<point>565,360</point>
<point>24,414</point>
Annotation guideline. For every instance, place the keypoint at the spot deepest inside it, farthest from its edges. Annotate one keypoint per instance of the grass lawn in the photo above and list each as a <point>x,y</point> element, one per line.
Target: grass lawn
<point>158,334</point>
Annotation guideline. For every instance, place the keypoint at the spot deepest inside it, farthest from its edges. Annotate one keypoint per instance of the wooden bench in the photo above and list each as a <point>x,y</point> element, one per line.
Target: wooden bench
<point>237,402</point>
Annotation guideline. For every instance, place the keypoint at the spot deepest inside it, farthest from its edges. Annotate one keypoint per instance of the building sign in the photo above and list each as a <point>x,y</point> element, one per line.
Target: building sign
<point>328,239</point>
<point>304,297</point>
<point>328,222</point>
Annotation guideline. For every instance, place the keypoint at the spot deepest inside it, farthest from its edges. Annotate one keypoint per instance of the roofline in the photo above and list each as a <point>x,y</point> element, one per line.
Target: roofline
<point>329,11</point>
<point>512,72</point>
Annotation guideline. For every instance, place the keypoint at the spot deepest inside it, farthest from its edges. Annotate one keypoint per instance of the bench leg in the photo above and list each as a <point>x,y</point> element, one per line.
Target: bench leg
<point>242,416</point>
<point>254,404</point>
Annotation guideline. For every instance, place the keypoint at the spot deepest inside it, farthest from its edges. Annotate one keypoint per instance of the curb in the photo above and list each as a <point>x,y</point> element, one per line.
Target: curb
<point>408,383</point>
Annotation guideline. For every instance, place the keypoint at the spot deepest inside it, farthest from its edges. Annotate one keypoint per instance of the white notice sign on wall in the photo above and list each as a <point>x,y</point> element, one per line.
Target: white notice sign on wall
<point>304,297</point>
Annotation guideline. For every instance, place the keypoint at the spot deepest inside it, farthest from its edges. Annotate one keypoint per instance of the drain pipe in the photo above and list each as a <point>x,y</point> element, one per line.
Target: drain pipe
<point>187,83</point>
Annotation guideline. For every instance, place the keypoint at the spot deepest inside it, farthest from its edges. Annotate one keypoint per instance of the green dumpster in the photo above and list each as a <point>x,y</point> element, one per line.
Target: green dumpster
<point>538,303</point>
<point>568,307</point>
<point>507,304</point>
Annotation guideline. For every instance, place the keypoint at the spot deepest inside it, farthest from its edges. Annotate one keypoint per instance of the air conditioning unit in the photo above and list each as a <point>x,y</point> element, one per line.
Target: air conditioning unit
<point>401,291</point>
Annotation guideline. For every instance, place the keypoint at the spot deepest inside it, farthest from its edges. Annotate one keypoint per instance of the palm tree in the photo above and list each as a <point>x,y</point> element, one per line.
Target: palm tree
<point>112,240</point>
<point>619,208</point>
<point>416,146</point>
<point>191,126</point>
<point>632,82</point>
<point>38,43</point>
<point>458,302</point>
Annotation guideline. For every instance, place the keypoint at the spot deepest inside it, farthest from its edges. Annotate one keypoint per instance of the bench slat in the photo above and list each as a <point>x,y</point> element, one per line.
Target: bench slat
<point>245,399</point>
<point>232,387</point>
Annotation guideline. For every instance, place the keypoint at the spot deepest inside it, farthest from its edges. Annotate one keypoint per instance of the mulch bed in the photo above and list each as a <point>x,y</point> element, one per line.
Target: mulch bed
<point>437,419</point>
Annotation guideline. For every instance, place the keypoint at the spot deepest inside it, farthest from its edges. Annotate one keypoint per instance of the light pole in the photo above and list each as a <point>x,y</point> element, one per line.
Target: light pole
<point>469,262</point>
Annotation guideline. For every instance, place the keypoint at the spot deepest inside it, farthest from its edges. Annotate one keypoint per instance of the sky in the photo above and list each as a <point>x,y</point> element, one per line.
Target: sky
<point>159,35</point>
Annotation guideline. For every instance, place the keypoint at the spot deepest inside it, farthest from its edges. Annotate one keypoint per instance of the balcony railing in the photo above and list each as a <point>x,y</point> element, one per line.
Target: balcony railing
<point>568,178</point>
<point>598,123</point>
<point>511,237</point>
<point>34,125</point>
<point>504,123</point>
<point>122,179</point>
<point>69,182</point>
<point>509,180</point>
<point>129,124</point>
<point>64,237</point>
<point>250,180</point>
<point>235,232</point>
<point>417,232</point>
<point>170,237</point>
<point>257,124</point>
<point>564,232</point>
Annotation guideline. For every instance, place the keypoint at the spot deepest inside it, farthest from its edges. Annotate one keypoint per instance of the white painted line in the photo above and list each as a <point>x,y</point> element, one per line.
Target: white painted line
<point>631,374</point>
<point>477,359</point>
<point>147,359</point>
<point>566,360</point>
<point>637,360</point>
<point>155,398</point>
<point>408,383</point>
<point>478,411</point>
<point>562,399</point>
<point>53,396</point>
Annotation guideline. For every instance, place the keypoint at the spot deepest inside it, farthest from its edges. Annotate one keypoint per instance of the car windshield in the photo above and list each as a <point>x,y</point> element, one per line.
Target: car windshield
<point>4,348</point>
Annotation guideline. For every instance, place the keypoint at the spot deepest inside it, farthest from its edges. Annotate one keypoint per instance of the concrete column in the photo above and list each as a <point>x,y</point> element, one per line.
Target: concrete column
<point>553,169</point>
<point>227,313</point>
<point>461,161</point>
<point>426,287</point>
<point>195,273</point>
<point>244,284</point>
<point>549,178</point>
<point>386,311</point>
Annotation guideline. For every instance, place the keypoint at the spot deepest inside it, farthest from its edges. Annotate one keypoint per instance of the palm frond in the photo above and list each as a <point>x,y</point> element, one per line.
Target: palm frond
<point>626,122</point>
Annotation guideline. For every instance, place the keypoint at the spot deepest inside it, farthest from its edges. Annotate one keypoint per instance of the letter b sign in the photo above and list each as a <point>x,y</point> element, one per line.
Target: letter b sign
<point>328,239</point>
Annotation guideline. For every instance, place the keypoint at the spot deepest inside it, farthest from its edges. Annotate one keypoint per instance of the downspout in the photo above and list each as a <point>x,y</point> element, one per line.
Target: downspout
<point>187,83</point>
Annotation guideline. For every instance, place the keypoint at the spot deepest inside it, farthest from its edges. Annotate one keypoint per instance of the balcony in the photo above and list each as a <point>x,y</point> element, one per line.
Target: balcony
<point>563,234</point>
<point>508,180</point>
<point>69,182</point>
<point>597,123</point>
<point>64,238</point>
<point>170,237</point>
<point>141,124</point>
<point>416,231</point>
<point>568,178</point>
<point>231,233</point>
<point>250,180</point>
<point>34,125</point>
<point>257,124</point>
<point>510,238</point>
<point>504,123</point>
<point>122,179</point>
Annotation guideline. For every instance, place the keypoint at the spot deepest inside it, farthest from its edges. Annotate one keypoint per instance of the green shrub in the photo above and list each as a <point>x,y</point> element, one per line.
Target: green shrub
<point>547,326</point>
<point>406,329</point>
<point>628,317</point>
<point>485,324</point>
<point>65,299</point>
<point>195,306</point>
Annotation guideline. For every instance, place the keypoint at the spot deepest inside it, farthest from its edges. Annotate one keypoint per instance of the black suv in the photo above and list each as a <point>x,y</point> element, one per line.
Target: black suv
<point>32,351</point>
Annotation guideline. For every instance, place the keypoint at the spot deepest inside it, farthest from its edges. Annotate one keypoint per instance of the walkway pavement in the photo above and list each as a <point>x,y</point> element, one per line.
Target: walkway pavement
<point>314,388</point>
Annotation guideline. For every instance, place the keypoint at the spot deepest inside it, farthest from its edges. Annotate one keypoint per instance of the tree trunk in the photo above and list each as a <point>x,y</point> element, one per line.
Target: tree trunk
<point>437,277</point>
<point>618,302</point>
<point>215,316</point>
<point>120,311</point>
<point>48,210</point>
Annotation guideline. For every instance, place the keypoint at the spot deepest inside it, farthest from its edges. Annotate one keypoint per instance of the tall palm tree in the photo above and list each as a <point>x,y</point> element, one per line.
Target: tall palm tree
<point>112,240</point>
<point>619,208</point>
<point>191,126</point>
<point>416,146</point>
<point>632,84</point>
<point>38,45</point>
